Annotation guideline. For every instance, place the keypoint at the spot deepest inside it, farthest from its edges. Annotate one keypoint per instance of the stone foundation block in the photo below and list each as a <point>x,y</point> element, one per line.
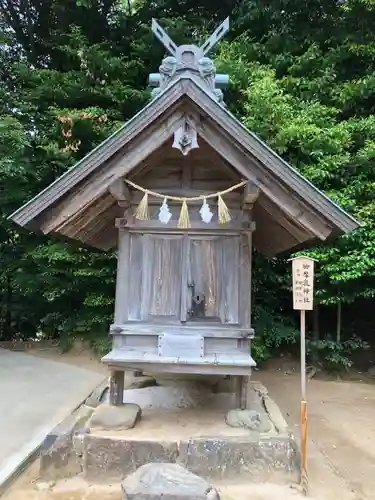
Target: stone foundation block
<point>58,455</point>
<point>111,417</point>
<point>248,419</point>
<point>113,459</point>
<point>166,482</point>
<point>97,394</point>
<point>260,459</point>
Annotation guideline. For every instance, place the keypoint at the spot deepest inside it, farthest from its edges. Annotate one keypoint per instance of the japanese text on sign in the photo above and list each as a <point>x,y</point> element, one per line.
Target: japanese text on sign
<point>303,283</point>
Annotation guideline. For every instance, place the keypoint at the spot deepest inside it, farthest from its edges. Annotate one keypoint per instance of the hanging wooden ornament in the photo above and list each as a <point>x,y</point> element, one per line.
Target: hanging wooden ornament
<point>142,210</point>
<point>184,220</point>
<point>205,212</point>
<point>223,212</point>
<point>164,212</point>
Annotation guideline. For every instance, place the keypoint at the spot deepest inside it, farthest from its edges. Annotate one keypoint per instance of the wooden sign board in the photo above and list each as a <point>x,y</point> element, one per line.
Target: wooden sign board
<point>303,283</point>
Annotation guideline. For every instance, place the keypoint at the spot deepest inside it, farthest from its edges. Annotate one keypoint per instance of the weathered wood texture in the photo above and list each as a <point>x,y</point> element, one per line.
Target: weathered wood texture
<point>214,270</point>
<point>242,392</point>
<point>123,276</point>
<point>287,202</point>
<point>210,364</point>
<point>116,387</point>
<point>184,303</point>
<point>154,269</point>
<point>155,277</point>
<point>207,329</point>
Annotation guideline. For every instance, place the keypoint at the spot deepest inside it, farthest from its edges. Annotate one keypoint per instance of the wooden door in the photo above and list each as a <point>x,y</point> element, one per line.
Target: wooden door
<point>155,277</point>
<point>213,279</point>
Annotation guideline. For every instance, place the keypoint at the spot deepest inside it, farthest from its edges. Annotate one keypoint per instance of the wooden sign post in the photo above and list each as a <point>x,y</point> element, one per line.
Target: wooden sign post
<point>303,300</point>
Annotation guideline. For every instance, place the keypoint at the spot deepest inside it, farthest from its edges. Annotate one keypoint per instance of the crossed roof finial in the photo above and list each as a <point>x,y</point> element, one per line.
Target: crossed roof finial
<point>171,47</point>
<point>189,59</point>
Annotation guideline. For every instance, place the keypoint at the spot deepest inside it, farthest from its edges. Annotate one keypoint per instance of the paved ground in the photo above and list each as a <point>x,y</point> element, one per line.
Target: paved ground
<point>35,394</point>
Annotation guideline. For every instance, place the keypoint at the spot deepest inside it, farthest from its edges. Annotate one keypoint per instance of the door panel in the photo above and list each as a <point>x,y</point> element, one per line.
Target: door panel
<point>203,276</point>
<point>213,277</point>
<point>155,277</point>
<point>164,265</point>
<point>228,253</point>
<point>168,272</point>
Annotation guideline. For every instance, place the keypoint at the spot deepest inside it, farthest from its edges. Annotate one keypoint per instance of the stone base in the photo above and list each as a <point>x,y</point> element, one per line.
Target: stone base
<point>166,482</point>
<point>199,440</point>
<point>59,454</point>
<point>110,417</point>
<point>196,438</point>
<point>274,459</point>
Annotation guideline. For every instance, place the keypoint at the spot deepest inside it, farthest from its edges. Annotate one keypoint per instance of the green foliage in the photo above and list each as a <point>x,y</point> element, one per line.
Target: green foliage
<point>334,356</point>
<point>301,112</point>
<point>302,77</point>
<point>275,334</point>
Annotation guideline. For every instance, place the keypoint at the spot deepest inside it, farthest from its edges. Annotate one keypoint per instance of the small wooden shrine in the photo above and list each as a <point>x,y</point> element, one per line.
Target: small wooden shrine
<point>186,192</point>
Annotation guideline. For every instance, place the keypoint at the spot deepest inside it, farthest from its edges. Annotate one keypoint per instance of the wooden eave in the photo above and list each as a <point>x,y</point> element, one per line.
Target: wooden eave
<point>287,175</point>
<point>94,160</point>
<point>289,206</point>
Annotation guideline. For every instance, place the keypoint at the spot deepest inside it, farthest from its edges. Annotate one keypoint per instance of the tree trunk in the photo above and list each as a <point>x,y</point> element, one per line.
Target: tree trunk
<point>338,324</point>
<point>316,332</point>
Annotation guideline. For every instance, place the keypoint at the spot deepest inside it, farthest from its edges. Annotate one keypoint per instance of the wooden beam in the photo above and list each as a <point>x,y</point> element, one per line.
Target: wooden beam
<point>87,226</point>
<point>270,237</point>
<point>295,230</point>
<point>251,193</point>
<point>71,227</point>
<point>186,174</point>
<point>120,192</point>
<point>122,277</point>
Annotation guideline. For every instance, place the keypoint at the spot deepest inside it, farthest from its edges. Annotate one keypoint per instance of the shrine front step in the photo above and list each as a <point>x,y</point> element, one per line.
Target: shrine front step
<point>273,459</point>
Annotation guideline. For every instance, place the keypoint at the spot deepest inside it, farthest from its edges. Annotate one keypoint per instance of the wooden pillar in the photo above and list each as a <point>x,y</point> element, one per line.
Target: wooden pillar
<point>116,388</point>
<point>122,276</point>
<point>241,392</point>
<point>121,379</point>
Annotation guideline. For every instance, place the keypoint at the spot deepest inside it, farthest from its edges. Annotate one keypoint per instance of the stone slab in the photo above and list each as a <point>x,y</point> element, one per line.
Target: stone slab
<point>58,456</point>
<point>165,481</point>
<point>97,394</point>
<point>36,394</point>
<point>106,459</point>
<point>260,459</point>
<point>112,458</point>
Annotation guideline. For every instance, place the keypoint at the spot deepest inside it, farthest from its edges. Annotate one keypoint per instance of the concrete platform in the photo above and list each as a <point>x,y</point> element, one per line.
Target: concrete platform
<point>36,395</point>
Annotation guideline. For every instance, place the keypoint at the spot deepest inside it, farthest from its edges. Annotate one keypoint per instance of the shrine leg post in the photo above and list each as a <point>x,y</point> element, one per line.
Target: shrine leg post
<point>241,391</point>
<point>116,388</point>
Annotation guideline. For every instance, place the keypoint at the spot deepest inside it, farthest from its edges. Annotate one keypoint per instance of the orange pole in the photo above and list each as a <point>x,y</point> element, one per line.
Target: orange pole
<point>304,479</point>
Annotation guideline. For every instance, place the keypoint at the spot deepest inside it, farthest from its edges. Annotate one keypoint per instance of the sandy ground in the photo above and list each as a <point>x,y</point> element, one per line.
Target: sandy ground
<point>341,445</point>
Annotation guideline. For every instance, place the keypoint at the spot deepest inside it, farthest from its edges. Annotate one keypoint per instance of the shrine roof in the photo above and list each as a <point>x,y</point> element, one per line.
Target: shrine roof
<point>187,90</point>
